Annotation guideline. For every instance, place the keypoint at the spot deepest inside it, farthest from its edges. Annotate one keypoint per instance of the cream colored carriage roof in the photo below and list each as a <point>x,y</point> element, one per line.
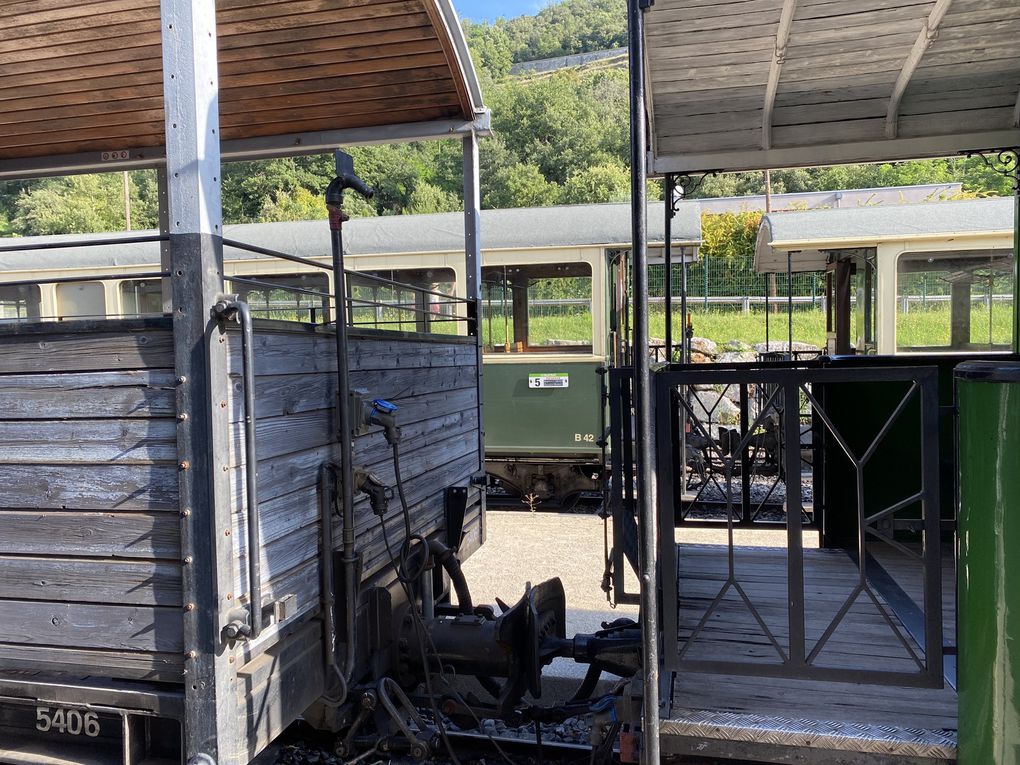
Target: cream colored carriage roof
<point>84,77</point>
<point>808,236</point>
<point>751,84</point>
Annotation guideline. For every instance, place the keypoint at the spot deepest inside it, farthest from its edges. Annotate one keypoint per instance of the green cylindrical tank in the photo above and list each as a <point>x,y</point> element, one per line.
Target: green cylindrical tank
<point>989,570</point>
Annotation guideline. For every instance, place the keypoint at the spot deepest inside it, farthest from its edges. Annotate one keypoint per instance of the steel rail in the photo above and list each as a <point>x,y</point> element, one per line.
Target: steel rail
<point>82,243</point>
<point>275,254</point>
<point>402,285</point>
<point>280,287</point>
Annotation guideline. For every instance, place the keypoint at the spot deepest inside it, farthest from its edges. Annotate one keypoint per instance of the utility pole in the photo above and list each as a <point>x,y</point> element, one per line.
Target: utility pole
<point>127,201</point>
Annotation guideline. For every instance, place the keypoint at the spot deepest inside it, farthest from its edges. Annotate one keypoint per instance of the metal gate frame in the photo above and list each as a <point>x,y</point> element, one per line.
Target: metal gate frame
<point>798,660</point>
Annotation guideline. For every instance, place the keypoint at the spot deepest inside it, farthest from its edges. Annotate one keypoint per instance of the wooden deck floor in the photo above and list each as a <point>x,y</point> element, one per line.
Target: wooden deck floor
<point>864,641</point>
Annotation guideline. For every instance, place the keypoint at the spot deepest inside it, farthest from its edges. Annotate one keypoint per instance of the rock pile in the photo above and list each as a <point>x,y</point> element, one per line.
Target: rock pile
<point>705,351</point>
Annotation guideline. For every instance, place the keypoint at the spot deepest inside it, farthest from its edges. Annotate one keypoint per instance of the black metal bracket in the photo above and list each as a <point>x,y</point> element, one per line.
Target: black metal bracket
<point>1004,162</point>
<point>456,501</point>
<point>688,184</point>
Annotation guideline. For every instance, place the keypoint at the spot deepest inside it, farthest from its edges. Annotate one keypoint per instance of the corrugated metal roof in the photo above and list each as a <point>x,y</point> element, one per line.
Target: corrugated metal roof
<point>804,232</point>
<point>511,229</point>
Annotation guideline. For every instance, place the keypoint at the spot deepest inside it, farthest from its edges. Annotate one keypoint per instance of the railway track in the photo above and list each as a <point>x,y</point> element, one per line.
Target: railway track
<point>302,745</point>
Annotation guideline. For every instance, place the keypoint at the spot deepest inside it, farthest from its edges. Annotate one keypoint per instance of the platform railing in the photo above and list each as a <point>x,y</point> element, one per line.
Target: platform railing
<point>785,398</point>
<point>371,301</point>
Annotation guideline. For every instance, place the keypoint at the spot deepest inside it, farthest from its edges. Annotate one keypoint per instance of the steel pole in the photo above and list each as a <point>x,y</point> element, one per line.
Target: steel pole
<point>789,303</point>
<point>668,272</point>
<point>642,399</point>
<point>1016,256</point>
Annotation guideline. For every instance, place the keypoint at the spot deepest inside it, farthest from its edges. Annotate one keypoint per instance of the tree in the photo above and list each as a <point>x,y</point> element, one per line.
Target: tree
<point>521,185</point>
<point>600,183</point>
<point>302,204</point>
<point>83,204</point>
<point>427,198</point>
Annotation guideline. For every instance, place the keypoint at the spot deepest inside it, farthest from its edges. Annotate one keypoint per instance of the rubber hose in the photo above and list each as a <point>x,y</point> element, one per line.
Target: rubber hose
<point>448,560</point>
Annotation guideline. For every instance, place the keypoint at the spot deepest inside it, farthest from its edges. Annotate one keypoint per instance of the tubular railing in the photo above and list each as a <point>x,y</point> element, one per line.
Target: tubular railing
<point>371,301</point>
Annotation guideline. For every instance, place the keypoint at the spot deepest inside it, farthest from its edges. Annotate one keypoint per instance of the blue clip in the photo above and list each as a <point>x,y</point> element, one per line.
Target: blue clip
<point>384,406</point>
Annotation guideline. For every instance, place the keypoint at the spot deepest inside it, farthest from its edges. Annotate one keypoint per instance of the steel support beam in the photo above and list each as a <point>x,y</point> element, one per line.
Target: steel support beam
<point>879,150</point>
<point>776,70</point>
<point>667,276</point>
<point>924,40</point>
<point>473,266</point>
<point>291,145</point>
<point>648,577</point>
<point>191,96</point>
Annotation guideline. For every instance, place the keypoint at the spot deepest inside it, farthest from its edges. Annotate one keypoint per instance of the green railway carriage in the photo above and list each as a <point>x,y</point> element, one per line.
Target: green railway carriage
<point>550,312</point>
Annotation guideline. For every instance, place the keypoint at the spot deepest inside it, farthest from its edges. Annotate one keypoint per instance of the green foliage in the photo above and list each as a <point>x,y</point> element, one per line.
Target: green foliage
<point>519,185</point>
<point>731,236</point>
<point>85,204</point>
<point>565,122</point>
<point>599,183</point>
<point>427,198</point>
<point>559,138</point>
<point>564,28</point>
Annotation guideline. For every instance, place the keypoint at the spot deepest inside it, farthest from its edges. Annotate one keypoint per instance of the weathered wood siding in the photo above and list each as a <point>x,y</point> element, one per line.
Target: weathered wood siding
<point>89,521</point>
<point>434,384</point>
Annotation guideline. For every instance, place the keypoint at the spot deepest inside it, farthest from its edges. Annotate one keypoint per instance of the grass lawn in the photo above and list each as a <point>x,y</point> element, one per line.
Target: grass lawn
<point>920,328</point>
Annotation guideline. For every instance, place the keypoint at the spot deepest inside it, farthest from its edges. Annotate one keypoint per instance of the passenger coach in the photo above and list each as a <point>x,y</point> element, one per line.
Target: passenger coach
<point>554,311</point>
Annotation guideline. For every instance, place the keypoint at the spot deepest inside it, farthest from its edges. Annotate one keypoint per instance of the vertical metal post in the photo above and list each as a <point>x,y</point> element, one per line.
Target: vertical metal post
<point>1016,254</point>
<point>642,400</point>
<point>794,511</point>
<point>685,350</point>
<point>473,271</point>
<point>745,456</point>
<point>191,103</point>
<point>668,267</point>
<point>789,303</point>
<point>928,382</point>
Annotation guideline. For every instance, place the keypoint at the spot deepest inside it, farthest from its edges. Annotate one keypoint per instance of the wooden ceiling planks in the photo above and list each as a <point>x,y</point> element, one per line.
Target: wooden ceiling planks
<point>848,71</point>
<point>79,77</point>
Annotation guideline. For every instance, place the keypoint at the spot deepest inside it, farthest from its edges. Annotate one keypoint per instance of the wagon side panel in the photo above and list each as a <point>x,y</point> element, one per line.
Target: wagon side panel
<point>90,576</point>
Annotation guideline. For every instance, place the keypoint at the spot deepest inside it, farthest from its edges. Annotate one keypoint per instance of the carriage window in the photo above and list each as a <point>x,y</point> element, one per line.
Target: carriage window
<point>141,297</point>
<point>19,303</point>
<point>538,308</point>
<point>405,299</point>
<point>81,300</point>
<point>951,301</point>
<point>283,300</point>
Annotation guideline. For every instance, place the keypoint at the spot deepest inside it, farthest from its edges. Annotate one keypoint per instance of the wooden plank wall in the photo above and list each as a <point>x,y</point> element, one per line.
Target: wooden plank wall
<point>89,522</point>
<point>434,385</point>
<point>86,75</point>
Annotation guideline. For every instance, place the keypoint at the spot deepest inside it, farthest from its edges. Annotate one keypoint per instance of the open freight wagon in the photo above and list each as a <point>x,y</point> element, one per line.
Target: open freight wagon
<point>176,561</point>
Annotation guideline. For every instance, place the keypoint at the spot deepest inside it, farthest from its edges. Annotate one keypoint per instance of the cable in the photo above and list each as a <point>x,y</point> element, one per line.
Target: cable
<point>421,632</point>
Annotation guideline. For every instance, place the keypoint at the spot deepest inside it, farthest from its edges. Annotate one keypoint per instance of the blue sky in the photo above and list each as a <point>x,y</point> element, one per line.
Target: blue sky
<point>489,10</point>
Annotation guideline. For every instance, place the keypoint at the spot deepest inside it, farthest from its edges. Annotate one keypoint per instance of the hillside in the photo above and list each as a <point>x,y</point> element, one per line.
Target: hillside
<point>561,137</point>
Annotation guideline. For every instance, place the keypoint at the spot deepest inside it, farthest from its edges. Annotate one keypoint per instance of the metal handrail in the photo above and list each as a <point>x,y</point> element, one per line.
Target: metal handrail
<point>280,287</point>
<point>275,254</point>
<point>402,285</point>
<point>83,243</point>
<point>241,311</point>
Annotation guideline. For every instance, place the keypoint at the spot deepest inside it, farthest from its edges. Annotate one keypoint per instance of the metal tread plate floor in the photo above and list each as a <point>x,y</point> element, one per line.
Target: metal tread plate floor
<point>698,730</point>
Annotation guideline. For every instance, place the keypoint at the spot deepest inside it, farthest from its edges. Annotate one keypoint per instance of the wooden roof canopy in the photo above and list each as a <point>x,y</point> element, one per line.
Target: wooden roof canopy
<point>84,77</point>
<point>753,84</point>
